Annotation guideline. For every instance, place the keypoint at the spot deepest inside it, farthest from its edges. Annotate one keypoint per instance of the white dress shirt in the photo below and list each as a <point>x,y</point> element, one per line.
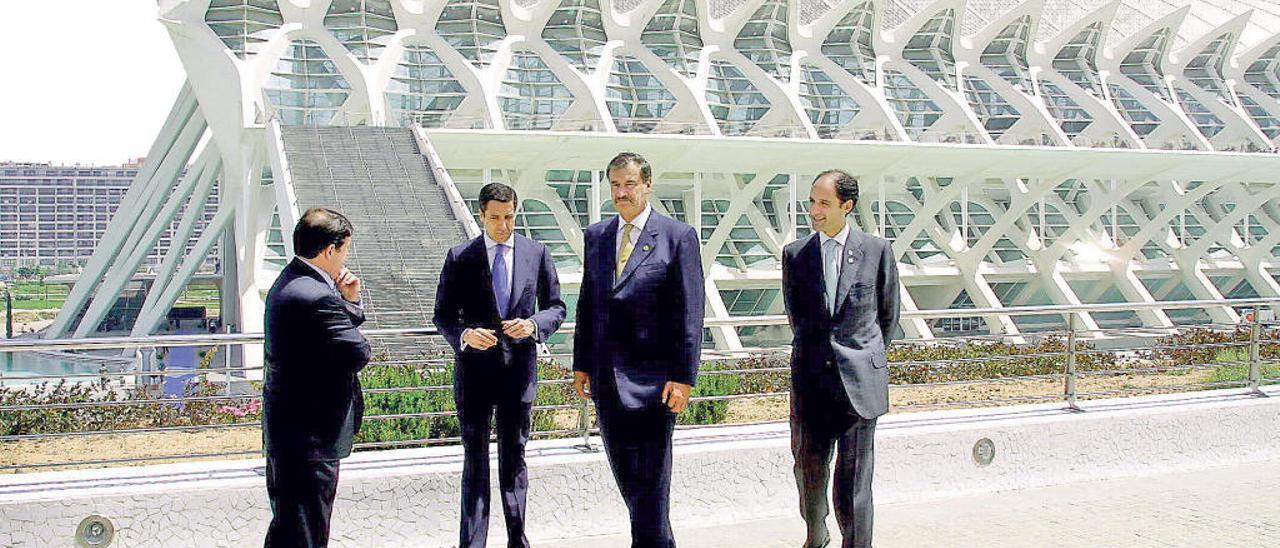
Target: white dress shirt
<point>637,222</point>
<point>831,255</point>
<point>491,248</point>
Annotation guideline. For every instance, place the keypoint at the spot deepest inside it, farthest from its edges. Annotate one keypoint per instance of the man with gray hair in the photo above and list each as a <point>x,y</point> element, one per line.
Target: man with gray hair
<point>840,287</point>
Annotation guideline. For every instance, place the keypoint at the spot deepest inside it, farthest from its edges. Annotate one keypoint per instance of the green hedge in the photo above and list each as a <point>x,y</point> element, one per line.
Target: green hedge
<point>949,362</point>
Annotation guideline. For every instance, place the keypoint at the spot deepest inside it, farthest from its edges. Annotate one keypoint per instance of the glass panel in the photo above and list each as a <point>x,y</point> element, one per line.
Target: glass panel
<point>306,88</point>
<point>763,39</point>
<point>735,102</point>
<point>576,30</point>
<point>243,25</point>
<point>673,35</point>
<point>850,44</point>
<point>531,96</point>
<point>472,27</point>
<point>637,100</point>
<point>363,26</point>
<point>422,89</point>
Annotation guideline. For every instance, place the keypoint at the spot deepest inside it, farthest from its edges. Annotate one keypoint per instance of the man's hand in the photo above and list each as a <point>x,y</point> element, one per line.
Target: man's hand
<point>676,396</point>
<point>479,338</point>
<point>582,383</point>
<point>519,328</point>
<point>348,285</point>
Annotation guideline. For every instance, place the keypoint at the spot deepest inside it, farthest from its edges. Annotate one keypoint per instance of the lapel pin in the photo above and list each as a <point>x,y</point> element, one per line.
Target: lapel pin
<point>645,248</point>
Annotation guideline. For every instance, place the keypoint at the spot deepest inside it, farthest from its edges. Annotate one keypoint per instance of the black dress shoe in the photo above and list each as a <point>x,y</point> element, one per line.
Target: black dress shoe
<point>820,543</point>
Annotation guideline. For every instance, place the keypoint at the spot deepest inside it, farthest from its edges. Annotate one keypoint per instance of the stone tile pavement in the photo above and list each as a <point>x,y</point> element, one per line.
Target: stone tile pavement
<point>1234,506</point>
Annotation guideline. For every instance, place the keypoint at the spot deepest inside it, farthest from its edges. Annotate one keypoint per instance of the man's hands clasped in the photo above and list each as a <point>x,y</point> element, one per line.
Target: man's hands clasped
<point>483,339</point>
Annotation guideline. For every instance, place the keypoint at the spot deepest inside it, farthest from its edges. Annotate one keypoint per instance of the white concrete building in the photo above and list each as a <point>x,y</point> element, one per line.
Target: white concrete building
<point>1048,151</point>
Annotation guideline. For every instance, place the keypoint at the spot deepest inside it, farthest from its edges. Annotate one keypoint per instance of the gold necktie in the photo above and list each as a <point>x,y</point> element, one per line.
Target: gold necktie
<point>627,247</point>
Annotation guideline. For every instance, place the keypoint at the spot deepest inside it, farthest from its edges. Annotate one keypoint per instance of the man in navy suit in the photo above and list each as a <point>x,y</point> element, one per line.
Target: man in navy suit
<point>498,297</point>
<point>840,287</point>
<point>312,404</point>
<point>638,340</point>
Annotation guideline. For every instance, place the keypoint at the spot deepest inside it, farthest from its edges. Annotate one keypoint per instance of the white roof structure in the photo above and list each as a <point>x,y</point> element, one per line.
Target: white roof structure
<point>1038,152</point>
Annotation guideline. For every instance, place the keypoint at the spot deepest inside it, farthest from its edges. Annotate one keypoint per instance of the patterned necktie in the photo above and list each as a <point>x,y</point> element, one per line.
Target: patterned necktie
<point>627,247</point>
<point>831,271</point>
<point>501,285</point>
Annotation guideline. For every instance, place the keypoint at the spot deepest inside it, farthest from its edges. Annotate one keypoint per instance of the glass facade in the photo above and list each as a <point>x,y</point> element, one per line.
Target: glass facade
<point>826,103</point>
<point>243,25</point>
<point>674,37</point>
<point>576,31</point>
<point>1205,69</point>
<point>637,100</point>
<point>536,221</point>
<point>1267,122</point>
<point>1006,55</point>
<point>930,49</point>
<point>914,108</point>
<point>1143,64</point>
<point>851,46</point>
<point>363,26</point>
<point>1070,116</point>
<point>763,40</point>
<point>735,102</point>
<point>1204,119</point>
<point>1264,73</point>
<point>472,27</point>
<point>1078,59</point>
<point>574,188</point>
<point>532,97</point>
<point>1137,115</point>
<point>306,88</point>
<point>422,89</point>
<point>995,113</point>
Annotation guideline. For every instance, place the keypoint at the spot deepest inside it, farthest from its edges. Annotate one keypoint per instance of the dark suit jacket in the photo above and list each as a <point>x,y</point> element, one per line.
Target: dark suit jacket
<point>464,299</point>
<point>312,403</point>
<point>636,333</point>
<point>856,338</point>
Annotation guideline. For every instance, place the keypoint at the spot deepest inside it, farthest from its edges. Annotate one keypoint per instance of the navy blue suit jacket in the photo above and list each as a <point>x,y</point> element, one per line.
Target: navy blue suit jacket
<point>312,404</point>
<point>465,299</point>
<point>643,329</point>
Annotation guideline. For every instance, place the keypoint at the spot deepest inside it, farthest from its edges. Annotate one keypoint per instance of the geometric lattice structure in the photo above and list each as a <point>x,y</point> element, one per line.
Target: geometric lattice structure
<point>1015,153</point>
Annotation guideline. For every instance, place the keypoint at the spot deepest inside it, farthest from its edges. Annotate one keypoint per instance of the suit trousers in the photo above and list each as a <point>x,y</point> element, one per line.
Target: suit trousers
<point>638,446</point>
<point>301,494</point>
<point>514,422</point>
<point>814,439</point>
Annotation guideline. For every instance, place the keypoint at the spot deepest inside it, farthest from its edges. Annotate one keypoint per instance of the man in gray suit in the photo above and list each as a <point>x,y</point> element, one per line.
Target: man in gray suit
<point>840,287</point>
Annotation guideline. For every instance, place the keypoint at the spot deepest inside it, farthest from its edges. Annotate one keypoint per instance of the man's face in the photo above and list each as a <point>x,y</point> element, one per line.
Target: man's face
<point>336,255</point>
<point>499,219</point>
<point>826,212</point>
<point>630,192</point>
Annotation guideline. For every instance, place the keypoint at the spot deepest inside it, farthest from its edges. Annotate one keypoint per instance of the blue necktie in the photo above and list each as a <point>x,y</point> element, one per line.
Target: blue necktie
<point>501,286</point>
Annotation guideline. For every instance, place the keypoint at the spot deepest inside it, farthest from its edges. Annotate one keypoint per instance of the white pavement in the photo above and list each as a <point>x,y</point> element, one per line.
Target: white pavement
<point>1220,507</point>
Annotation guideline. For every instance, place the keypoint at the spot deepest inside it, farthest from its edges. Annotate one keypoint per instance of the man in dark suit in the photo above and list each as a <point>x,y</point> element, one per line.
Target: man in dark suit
<point>311,402</point>
<point>638,340</point>
<point>840,287</point>
<point>498,297</point>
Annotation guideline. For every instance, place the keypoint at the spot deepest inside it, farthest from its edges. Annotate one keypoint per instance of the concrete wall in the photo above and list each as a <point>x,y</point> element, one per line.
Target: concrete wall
<point>727,474</point>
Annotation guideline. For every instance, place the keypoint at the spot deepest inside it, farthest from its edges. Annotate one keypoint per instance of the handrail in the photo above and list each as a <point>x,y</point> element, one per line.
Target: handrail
<point>21,345</point>
<point>442,177</point>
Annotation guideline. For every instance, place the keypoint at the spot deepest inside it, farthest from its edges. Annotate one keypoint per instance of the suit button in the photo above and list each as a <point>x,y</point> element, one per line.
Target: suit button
<point>830,363</point>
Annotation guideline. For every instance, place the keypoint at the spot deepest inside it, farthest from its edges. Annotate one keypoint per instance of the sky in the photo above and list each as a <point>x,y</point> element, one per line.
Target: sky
<point>96,93</point>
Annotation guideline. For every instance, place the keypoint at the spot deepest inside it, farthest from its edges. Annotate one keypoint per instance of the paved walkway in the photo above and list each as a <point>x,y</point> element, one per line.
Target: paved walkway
<point>1219,507</point>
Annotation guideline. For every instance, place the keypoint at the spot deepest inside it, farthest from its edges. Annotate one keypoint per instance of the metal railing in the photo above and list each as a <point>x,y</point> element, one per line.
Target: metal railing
<point>1065,365</point>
